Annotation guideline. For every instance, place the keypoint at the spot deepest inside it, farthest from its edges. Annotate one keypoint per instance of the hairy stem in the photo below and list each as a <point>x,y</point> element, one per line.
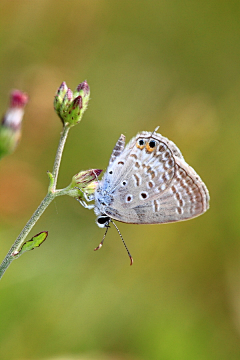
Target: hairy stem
<point>58,157</point>
<point>52,193</point>
<point>25,231</point>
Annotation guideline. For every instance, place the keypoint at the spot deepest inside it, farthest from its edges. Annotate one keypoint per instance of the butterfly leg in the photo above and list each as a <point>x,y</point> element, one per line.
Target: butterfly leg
<point>85,205</point>
<point>87,198</point>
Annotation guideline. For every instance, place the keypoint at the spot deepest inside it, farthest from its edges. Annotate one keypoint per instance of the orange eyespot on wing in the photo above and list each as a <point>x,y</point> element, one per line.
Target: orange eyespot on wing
<point>151,145</point>
<point>141,143</point>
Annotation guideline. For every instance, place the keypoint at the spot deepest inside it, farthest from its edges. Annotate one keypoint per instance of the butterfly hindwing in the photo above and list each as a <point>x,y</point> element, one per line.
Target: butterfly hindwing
<point>149,182</point>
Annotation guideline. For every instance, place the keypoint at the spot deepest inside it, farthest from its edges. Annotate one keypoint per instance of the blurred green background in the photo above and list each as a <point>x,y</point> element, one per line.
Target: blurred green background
<point>170,63</point>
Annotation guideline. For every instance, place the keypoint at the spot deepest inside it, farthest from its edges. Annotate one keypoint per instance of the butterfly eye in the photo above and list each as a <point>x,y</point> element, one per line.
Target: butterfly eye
<point>103,221</point>
<point>140,144</point>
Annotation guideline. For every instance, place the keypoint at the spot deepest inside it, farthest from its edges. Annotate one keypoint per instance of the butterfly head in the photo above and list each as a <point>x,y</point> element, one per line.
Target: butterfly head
<point>103,220</point>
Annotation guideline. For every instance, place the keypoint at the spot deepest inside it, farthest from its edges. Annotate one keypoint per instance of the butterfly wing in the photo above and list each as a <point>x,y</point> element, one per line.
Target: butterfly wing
<point>118,149</point>
<point>149,182</point>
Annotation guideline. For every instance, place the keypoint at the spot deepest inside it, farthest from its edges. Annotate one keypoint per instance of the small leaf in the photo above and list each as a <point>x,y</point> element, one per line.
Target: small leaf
<point>36,241</point>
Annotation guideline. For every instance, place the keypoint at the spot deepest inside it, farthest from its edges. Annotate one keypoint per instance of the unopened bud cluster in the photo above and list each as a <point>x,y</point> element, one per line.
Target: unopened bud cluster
<point>70,105</point>
<point>10,126</point>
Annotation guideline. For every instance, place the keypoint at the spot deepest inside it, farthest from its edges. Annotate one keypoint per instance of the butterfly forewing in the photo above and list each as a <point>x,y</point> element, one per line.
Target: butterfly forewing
<point>118,149</point>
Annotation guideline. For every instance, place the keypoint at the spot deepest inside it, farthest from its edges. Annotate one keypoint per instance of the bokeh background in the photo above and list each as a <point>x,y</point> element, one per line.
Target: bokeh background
<point>170,63</point>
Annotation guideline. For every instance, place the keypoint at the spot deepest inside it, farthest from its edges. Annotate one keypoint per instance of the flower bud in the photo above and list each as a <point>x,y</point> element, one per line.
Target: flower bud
<point>84,182</point>
<point>90,188</point>
<point>83,90</point>
<point>83,178</point>
<point>58,99</point>
<point>74,111</point>
<point>71,106</point>
<point>10,126</point>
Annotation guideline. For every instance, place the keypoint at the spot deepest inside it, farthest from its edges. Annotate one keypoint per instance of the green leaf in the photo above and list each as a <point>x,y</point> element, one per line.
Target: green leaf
<point>36,241</point>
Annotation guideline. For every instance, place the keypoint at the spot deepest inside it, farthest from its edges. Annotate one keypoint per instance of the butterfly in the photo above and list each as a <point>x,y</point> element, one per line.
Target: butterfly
<point>148,182</point>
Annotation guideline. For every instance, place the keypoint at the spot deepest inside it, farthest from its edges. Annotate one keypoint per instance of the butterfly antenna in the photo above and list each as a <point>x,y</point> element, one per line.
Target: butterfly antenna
<point>130,256</point>
<point>101,243</point>
<point>155,130</point>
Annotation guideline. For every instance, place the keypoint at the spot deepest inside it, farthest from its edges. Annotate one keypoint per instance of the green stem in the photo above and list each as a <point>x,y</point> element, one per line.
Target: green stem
<point>52,193</point>
<point>25,231</point>
<point>58,157</point>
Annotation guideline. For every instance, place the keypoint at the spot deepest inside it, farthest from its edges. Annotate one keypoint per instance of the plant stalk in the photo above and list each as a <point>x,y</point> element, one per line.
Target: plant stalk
<point>25,231</point>
<point>52,193</point>
<point>58,156</point>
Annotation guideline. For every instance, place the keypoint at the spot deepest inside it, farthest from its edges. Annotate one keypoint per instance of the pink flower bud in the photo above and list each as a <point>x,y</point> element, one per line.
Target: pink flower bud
<point>18,99</point>
<point>85,182</point>
<point>14,114</point>
<point>83,86</point>
<point>77,102</point>
<point>86,177</point>
<point>10,126</point>
<point>62,88</point>
<point>69,95</point>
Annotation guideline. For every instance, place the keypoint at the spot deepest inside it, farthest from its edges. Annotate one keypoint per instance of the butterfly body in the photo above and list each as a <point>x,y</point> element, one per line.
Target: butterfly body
<point>149,182</point>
